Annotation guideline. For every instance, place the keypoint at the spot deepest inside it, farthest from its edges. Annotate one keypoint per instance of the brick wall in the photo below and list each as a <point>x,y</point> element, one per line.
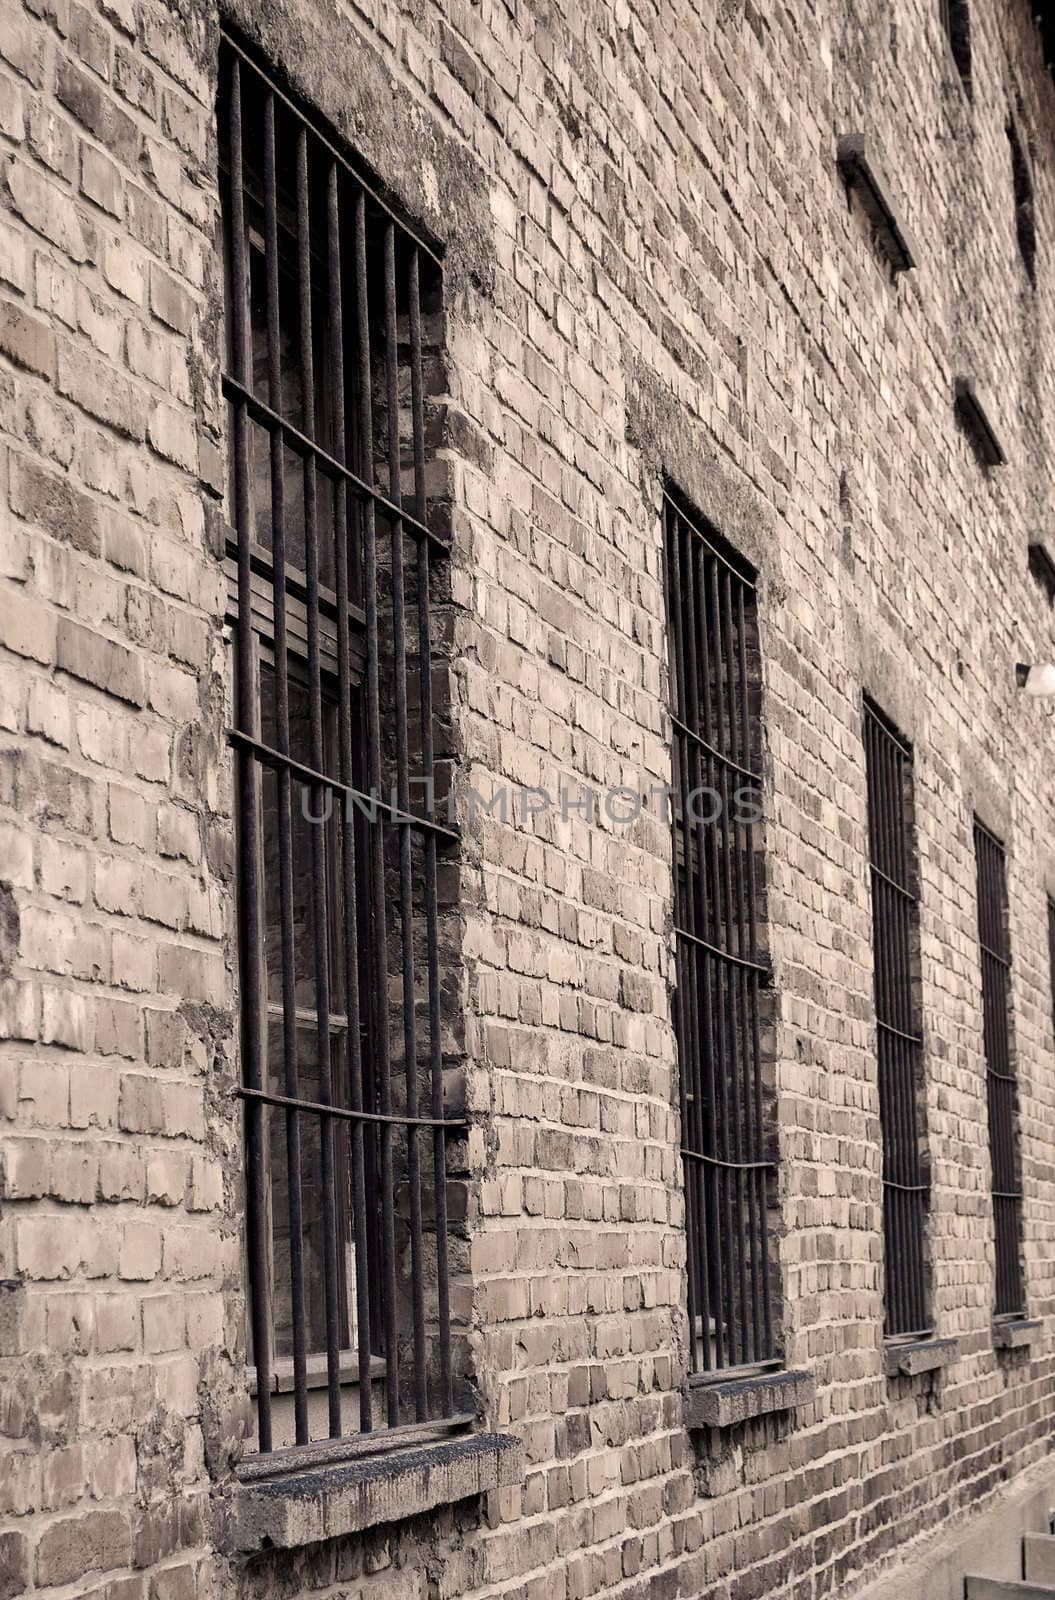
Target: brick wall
<point>652,268</point>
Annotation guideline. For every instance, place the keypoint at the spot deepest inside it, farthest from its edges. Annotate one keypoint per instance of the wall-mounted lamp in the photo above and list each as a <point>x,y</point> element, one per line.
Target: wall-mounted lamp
<point>1038,682</point>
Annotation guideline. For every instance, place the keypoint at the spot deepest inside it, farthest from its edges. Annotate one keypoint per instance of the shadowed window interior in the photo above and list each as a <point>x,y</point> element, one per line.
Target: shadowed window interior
<point>956,21</point>
<point>333,330</point>
<point>1022,187</point>
<point>895,932</point>
<point>1001,1084</point>
<point>728,1138</point>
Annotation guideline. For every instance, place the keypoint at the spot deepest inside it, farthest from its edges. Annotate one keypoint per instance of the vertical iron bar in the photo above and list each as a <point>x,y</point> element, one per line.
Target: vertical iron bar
<point>318,836</point>
<point>353,1038</point>
<point>687,1036</point>
<point>380,933</point>
<point>701,962</point>
<point>723,898</point>
<point>439,1149</point>
<point>738,980</point>
<point>282,779</point>
<point>406,887</point>
<point>748,745</point>
<point>248,783</point>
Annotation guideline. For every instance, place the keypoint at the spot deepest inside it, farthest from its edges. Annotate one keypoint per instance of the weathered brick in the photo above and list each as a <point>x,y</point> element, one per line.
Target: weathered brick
<point>48,211</point>
<point>52,502</point>
<point>95,110</point>
<point>75,1545</point>
<point>101,180</point>
<point>26,340</point>
<point>95,659</point>
<point>96,387</point>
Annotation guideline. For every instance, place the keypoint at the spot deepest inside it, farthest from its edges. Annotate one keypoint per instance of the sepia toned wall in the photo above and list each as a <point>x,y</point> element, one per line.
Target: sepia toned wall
<point>653,271</point>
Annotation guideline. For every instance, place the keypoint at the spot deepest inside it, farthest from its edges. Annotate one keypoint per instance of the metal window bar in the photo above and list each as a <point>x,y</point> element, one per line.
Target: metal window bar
<point>895,924</point>
<point>727,1134</point>
<point>328,296</point>
<point>1051,955</point>
<point>1002,1097</point>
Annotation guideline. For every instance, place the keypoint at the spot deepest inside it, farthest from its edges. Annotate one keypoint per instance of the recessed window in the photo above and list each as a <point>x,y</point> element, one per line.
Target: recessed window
<point>1001,1081</point>
<point>728,1136</point>
<point>956,21</point>
<point>1022,188</point>
<point>895,925</point>
<point>333,317</point>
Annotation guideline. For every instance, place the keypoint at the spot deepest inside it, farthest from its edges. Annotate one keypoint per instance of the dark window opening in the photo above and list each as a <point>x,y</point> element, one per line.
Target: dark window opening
<point>1025,221</point>
<point>895,925</point>
<point>1051,955</point>
<point>956,21</point>
<point>727,1113</point>
<point>1002,1089</point>
<point>333,324</point>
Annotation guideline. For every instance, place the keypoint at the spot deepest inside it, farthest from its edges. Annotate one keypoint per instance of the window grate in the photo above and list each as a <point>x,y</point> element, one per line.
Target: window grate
<point>895,925</point>
<point>1002,1097</point>
<point>333,318</point>
<point>1051,954</point>
<point>721,968</point>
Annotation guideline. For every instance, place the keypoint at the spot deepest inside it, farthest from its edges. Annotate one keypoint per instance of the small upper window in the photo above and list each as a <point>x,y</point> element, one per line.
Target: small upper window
<point>1022,183</point>
<point>956,20</point>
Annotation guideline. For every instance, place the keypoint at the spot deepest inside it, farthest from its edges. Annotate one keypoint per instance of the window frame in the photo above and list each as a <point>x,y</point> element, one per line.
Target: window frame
<point>900,1046</point>
<point>342,635</point>
<point>1002,1101</point>
<point>727,1097</point>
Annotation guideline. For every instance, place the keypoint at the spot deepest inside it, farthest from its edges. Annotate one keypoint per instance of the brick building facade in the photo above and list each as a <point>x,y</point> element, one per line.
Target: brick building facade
<point>637,291</point>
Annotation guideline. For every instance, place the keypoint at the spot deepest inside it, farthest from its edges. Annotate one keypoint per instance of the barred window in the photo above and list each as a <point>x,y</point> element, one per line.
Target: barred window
<point>1022,190</point>
<point>333,323</point>
<point>1051,955</point>
<point>956,21</point>
<point>895,925</point>
<point>726,1101</point>
<point>1002,1093</point>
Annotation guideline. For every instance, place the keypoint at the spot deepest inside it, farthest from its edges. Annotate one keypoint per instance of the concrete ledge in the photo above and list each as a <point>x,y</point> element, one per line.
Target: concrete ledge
<point>921,1355</point>
<point>724,1403</point>
<point>1014,1335</point>
<point>858,165</point>
<point>325,1502</point>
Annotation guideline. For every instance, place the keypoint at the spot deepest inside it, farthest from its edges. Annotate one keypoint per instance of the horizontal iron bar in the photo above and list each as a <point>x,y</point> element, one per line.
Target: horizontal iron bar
<point>899,1033</point>
<point>683,517</point>
<point>690,733</point>
<point>1006,1194</point>
<point>308,775</point>
<point>263,414</point>
<point>316,1107</point>
<point>341,160</point>
<point>729,1166</point>
<point>907,1188</point>
<point>1001,960</point>
<point>762,968</point>
<point>892,883</point>
<point>886,729</point>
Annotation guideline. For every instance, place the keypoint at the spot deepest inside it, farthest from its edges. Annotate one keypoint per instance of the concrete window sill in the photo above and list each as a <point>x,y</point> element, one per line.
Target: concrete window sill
<point>724,1403</point>
<point>326,1499</point>
<point>1018,1333</point>
<point>914,1356</point>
